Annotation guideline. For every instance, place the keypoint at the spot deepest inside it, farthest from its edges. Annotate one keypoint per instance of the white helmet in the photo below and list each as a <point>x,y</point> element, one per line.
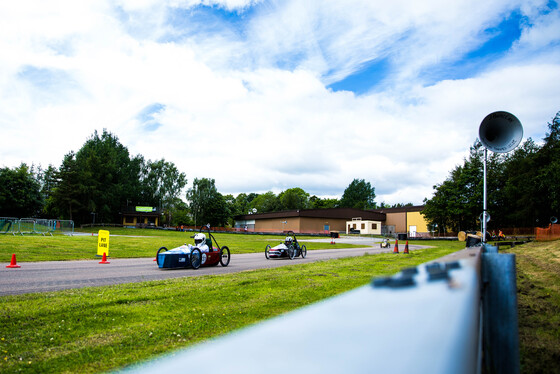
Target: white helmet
<point>199,239</point>
<point>289,239</point>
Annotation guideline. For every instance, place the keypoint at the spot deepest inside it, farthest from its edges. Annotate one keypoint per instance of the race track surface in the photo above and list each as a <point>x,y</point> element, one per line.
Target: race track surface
<point>60,275</point>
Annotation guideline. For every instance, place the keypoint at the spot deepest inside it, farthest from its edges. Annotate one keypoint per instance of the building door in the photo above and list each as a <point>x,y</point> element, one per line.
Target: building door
<point>412,231</point>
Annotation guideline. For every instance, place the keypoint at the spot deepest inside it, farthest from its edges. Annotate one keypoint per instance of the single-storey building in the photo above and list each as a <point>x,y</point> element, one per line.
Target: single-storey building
<point>306,220</point>
<point>364,227</point>
<point>407,219</point>
<point>140,216</point>
<point>387,221</point>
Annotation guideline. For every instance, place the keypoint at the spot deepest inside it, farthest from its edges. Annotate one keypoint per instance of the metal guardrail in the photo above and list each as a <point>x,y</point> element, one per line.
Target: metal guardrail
<point>35,226</point>
<point>440,317</point>
<point>9,225</point>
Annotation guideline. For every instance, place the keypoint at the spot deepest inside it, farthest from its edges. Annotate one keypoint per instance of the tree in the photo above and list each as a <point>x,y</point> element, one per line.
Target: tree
<point>239,204</point>
<point>162,184</point>
<point>359,194</point>
<point>180,214</point>
<point>457,202</point>
<point>264,203</point>
<point>522,187</point>
<point>401,205</point>
<point>293,198</point>
<point>108,177</point>
<point>516,205</point>
<point>206,203</point>
<point>98,179</point>
<point>48,180</point>
<point>217,212</point>
<point>319,203</point>
<point>65,198</point>
<point>20,194</point>
<point>547,175</point>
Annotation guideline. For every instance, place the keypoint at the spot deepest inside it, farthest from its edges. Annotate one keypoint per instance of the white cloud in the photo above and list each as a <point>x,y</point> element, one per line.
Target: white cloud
<point>250,107</point>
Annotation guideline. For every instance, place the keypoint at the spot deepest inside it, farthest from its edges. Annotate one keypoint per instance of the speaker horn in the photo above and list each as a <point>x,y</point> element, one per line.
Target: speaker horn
<point>500,132</point>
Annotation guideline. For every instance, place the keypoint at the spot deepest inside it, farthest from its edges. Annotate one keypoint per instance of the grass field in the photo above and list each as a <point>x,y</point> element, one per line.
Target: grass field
<point>104,328</point>
<point>538,298</point>
<point>127,243</point>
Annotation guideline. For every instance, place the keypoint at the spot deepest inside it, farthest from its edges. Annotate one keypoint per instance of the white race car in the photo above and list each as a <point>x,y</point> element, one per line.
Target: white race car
<point>288,248</point>
<point>202,253</point>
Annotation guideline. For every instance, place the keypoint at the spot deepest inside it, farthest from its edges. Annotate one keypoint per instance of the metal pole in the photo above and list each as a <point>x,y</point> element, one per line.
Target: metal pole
<point>484,202</point>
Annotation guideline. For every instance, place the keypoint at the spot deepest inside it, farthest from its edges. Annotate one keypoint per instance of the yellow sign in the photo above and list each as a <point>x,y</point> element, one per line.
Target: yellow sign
<point>103,243</point>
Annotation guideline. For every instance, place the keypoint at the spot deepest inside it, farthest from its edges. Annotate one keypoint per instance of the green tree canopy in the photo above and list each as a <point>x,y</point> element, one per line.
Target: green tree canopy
<point>66,195</point>
<point>207,204</point>
<point>547,181</point>
<point>522,187</point>
<point>319,203</point>
<point>161,185</point>
<point>20,193</point>
<point>457,202</point>
<point>97,180</point>
<point>108,177</point>
<point>359,194</point>
<point>293,198</point>
<point>266,202</point>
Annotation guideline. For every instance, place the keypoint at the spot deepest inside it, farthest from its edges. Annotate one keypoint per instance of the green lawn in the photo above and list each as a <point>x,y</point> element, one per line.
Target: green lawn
<point>128,243</point>
<point>538,299</point>
<point>105,328</point>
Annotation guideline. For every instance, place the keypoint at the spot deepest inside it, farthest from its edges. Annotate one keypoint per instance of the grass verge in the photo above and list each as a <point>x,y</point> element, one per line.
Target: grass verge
<point>105,328</point>
<point>128,243</point>
<point>538,298</point>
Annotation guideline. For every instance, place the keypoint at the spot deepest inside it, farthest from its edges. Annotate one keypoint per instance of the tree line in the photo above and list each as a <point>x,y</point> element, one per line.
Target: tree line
<point>99,181</point>
<point>523,187</point>
<point>208,205</point>
<point>91,184</point>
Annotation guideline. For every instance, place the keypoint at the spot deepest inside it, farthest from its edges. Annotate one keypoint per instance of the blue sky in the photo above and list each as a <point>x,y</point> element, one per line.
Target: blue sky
<point>289,94</point>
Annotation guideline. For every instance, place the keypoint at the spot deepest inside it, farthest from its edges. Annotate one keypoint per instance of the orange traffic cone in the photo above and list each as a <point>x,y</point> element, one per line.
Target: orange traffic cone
<point>396,250</point>
<point>104,259</point>
<point>13,264</point>
<point>406,248</point>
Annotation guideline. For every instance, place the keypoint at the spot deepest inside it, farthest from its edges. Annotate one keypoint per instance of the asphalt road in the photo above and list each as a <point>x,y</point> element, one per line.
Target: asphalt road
<point>60,275</point>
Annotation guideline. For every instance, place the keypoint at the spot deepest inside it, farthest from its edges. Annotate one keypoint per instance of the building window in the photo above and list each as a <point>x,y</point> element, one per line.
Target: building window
<point>363,226</point>
<point>374,226</point>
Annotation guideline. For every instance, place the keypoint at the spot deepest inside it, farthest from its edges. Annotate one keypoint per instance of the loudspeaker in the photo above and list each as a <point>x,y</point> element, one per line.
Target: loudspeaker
<point>500,132</point>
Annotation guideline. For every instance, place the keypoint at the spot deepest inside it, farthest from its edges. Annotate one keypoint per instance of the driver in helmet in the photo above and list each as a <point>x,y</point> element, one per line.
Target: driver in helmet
<point>200,242</point>
<point>288,241</point>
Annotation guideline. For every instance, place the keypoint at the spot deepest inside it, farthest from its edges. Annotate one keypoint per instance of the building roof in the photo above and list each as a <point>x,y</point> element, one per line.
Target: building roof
<point>412,208</point>
<point>340,213</point>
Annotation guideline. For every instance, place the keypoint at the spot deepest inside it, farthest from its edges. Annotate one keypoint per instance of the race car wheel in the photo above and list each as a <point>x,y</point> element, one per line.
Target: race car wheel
<point>291,252</point>
<point>162,249</point>
<point>196,258</point>
<point>267,252</point>
<point>224,256</point>
<point>303,251</point>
